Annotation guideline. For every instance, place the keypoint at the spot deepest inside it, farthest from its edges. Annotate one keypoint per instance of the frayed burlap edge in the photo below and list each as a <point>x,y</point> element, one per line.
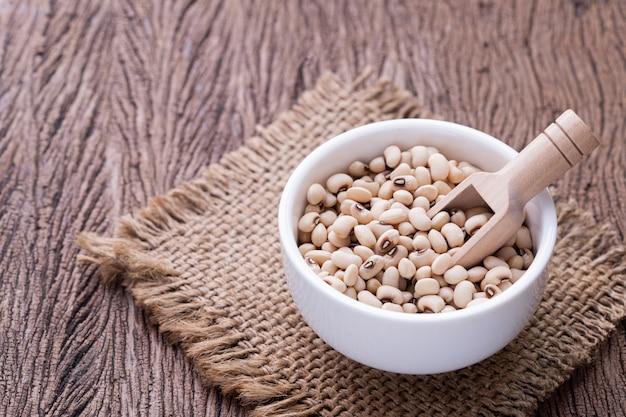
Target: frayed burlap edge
<point>126,258</point>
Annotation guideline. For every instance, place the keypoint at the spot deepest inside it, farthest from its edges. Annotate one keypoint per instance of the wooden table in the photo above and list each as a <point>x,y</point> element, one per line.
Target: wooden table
<point>104,104</point>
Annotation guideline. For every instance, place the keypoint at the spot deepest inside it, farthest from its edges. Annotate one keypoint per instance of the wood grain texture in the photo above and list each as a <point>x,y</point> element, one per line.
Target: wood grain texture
<point>104,104</point>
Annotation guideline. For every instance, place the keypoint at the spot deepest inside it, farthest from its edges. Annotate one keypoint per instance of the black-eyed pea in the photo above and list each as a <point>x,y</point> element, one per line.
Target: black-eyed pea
<point>406,268</point>
<point>344,225</point>
<point>336,240</point>
<point>357,169</point>
<point>423,272</point>
<point>404,197</point>
<point>442,187</point>
<point>393,216</point>
<point>365,236</point>
<point>368,183</point>
<point>406,182</point>
<point>495,276</point>
<point>442,282</point>
<point>342,259</point>
<point>438,165</point>
<point>420,241</point>
<point>528,257</point>
<point>311,208</point>
<point>381,177</point>
<point>429,191</point>
<point>406,157</point>
<point>476,301</point>
<point>386,190</point>
<point>378,207</point>
<point>419,156</point>
<point>455,174</point>
<point>422,175</point>
<point>371,267</point>
<point>329,247</point>
<point>516,274</point>
<point>389,293</point>
<point>448,308</point>
<point>351,292</point>
<point>475,222</point>
<point>422,257</point>
<point>359,194</point>
<point>318,255</point>
<point>328,217</point>
<point>313,265</point>
<point>440,219</point>
<point>351,275</point>
<point>400,171</point>
<point>447,293</point>
<point>338,182</point>
<point>335,282</point>
<point>308,221</point>
<point>463,293</point>
<point>430,304</point>
<point>476,273</point>
<point>458,217</point>
<point>392,155</point>
<point>395,255</point>
<point>407,296</point>
<point>361,213</point>
<point>505,284</point>
<point>523,239</point>
<point>392,307</point>
<point>422,202</point>
<point>379,228</point>
<point>316,194</point>
<point>409,308</point>
<point>506,252</point>
<point>391,277</point>
<point>426,286</point>
<point>516,261</point>
<point>319,235</point>
<point>387,241</point>
<point>492,261</point>
<point>330,200</point>
<point>455,275</point>
<point>306,247</point>
<point>453,234</point>
<point>363,251</point>
<point>368,298</point>
<point>346,206</point>
<point>360,284</point>
<point>441,264</point>
<point>437,241</point>
<point>372,285</point>
<point>419,219</point>
<point>453,251</point>
<point>492,290</point>
<point>329,267</point>
<point>342,196</point>
<point>405,241</point>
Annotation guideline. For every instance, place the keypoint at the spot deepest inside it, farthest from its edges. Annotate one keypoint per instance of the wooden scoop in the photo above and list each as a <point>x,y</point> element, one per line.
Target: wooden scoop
<point>558,148</point>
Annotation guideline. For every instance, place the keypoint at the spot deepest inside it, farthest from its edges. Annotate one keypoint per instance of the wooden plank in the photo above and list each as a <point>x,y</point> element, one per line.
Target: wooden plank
<point>104,104</point>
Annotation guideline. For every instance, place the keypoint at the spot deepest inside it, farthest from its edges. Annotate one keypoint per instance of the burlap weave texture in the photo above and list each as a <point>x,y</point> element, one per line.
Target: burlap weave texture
<point>204,261</point>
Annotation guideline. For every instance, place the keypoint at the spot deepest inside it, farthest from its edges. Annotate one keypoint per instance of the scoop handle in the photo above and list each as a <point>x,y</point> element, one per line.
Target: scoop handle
<point>553,152</point>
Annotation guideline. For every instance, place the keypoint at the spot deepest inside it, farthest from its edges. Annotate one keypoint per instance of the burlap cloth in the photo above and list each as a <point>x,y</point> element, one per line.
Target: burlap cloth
<point>204,262</point>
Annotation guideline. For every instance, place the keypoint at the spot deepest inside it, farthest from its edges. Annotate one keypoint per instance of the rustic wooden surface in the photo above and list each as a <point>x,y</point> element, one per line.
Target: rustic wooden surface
<point>104,104</point>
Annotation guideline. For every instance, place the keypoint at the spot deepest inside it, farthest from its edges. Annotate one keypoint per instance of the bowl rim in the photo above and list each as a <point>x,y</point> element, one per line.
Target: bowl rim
<point>290,247</point>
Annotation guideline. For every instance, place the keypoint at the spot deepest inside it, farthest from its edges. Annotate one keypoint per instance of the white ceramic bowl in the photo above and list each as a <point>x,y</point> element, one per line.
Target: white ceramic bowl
<point>399,342</point>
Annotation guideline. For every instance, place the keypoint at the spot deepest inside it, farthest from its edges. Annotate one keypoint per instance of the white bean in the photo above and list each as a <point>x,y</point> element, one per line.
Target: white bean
<point>430,303</point>
<point>368,298</point>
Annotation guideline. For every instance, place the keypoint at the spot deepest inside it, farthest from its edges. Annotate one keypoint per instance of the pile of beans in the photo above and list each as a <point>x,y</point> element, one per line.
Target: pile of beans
<point>367,234</point>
